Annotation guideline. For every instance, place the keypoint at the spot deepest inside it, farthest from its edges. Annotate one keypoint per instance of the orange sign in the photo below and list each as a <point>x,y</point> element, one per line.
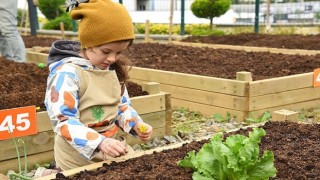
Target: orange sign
<point>316,77</point>
<point>18,121</point>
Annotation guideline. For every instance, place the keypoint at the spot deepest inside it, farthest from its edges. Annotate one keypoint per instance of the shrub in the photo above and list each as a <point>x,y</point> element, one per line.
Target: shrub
<point>209,9</point>
<point>190,29</point>
<point>55,23</point>
<point>52,8</point>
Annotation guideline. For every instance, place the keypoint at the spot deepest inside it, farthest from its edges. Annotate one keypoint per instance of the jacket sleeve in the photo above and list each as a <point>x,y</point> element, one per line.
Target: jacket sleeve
<point>62,106</point>
<point>127,115</point>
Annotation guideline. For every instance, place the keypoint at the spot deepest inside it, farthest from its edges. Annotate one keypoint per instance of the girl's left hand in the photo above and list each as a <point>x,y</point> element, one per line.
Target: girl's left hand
<point>143,130</point>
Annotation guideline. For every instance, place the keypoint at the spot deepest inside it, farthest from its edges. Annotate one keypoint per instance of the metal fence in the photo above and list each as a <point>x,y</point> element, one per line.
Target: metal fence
<point>242,12</point>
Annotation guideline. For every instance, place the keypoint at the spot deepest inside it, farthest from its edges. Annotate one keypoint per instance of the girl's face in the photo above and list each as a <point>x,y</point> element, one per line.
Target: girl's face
<point>105,55</point>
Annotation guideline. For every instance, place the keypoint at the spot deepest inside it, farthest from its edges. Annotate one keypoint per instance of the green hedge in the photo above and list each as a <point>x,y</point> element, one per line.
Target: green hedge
<point>190,29</point>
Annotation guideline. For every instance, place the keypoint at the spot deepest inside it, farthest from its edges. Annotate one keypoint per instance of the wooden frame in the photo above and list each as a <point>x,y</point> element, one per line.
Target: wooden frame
<point>155,109</point>
<point>241,97</point>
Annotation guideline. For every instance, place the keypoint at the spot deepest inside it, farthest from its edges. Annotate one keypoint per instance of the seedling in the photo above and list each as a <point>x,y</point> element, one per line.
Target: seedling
<point>266,116</point>
<point>14,175</point>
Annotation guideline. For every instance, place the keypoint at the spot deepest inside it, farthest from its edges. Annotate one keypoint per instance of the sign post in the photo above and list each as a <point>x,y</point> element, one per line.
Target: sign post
<point>20,122</point>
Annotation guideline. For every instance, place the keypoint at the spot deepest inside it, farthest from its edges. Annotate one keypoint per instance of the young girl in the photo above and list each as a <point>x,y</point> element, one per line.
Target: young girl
<point>86,97</point>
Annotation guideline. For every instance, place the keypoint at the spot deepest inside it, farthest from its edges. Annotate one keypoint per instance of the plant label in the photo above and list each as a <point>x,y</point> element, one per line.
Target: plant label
<point>17,122</point>
<point>316,77</point>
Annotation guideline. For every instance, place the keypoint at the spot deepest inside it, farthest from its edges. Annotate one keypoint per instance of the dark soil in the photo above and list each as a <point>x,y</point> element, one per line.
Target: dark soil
<point>24,84</point>
<point>31,41</point>
<point>223,63</point>
<point>295,147</point>
<point>310,42</point>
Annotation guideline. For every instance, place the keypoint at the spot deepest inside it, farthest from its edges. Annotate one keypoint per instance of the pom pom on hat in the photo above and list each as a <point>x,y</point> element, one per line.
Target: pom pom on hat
<point>101,22</point>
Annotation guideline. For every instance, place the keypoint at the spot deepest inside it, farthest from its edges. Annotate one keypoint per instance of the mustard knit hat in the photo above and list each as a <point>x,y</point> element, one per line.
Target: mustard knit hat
<point>102,21</point>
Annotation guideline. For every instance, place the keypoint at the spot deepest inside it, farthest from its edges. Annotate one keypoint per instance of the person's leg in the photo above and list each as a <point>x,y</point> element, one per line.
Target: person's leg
<point>16,47</point>
<point>3,45</point>
<point>12,46</point>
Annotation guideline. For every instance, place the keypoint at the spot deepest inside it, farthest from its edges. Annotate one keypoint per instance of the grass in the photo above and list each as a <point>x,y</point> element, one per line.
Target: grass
<point>312,114</point>
<point>187,121</point>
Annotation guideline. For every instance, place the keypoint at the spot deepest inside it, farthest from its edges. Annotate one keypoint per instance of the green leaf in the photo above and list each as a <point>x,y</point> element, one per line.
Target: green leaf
<point>189,161</point>
<point>263,168</point>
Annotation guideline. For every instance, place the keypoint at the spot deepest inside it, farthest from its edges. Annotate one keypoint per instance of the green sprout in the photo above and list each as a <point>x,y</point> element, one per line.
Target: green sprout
<point>20,176</point>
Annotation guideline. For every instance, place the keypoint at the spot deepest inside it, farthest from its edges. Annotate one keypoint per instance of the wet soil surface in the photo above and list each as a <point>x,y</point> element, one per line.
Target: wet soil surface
<point>295,146</point>
<point>23,84</point>
<point>309,42</point>
<point>223,63</point>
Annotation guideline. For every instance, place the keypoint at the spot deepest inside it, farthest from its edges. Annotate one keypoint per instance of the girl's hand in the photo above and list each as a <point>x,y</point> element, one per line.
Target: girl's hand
<point>143,130</point>
<point>112,147</point>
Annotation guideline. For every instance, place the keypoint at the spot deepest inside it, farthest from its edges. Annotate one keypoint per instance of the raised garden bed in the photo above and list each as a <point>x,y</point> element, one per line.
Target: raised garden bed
<point>242,83</point>
<point>24,84</point>
<point>294,41</point>
<point>295,148</point>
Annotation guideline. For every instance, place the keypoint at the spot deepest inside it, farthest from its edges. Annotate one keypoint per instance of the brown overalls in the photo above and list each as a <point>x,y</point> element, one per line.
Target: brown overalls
<point>99,95</point>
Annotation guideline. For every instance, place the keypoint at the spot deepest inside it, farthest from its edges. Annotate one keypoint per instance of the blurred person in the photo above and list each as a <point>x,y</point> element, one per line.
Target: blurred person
<point>11,44</point>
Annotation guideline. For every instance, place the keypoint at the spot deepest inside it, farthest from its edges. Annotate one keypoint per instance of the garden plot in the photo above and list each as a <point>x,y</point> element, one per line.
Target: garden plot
<point>243,83</point>
<point>295,148</point>
<point>220,81</point>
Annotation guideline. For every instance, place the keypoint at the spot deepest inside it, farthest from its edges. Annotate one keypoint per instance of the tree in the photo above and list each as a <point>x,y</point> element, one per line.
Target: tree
<point>210,8</point>
<point>52,8</point>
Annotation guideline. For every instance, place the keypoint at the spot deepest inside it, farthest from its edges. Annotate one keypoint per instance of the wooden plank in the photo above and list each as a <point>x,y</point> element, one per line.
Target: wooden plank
<point>12,164</point>
<point>36,57</point>
<point>206,97</point>
<point>150,103</point>
<point>43,122</point>
<point>207,110</point>
<point>206,83</point>
<point>250,48</point>
<point>280,84</point>
<point>292,107</point>
<point>283,98</point>
<point>8,150</point>
<point>39,49</point>
<point>156,119</point>
<point>151,87</point>
<point>168,114</point>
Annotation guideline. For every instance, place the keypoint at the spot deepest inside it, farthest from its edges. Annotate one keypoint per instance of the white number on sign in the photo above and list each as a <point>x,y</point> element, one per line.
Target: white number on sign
<point>22,123</point>
<point>318,78</point>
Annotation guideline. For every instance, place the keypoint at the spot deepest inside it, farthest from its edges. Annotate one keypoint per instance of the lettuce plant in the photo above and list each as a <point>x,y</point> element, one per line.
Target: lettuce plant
<point>235,159</point>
